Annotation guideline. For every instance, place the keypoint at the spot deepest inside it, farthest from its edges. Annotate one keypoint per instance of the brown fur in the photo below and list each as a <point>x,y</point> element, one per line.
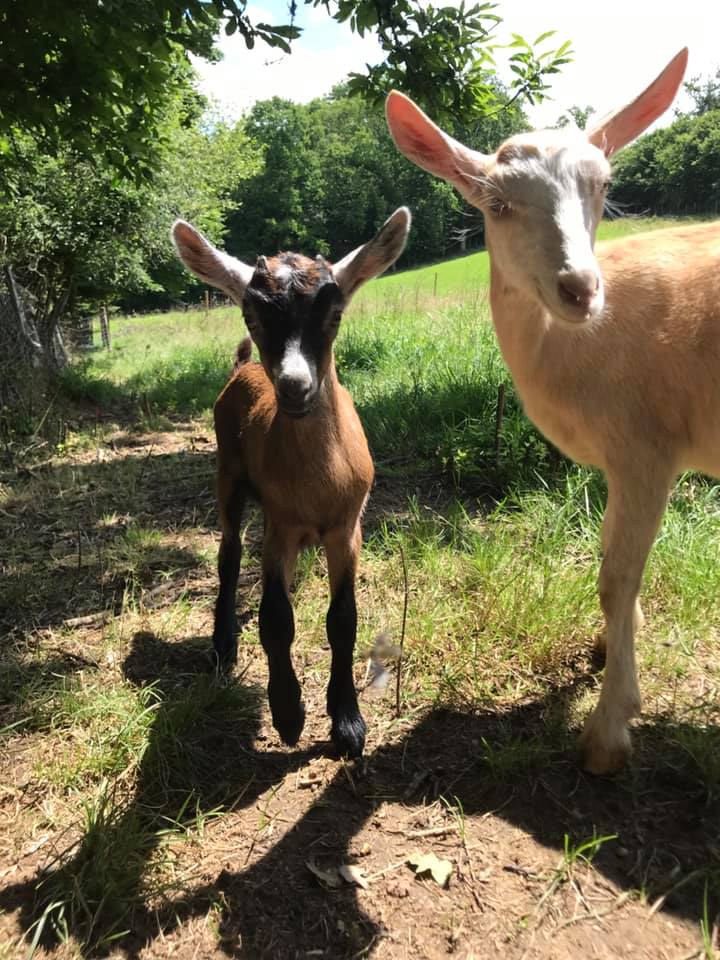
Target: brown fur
<point>243,352</point>
<point>288,273</point>
<point>311,475</point>
<point>510,151</point>
<point>287,433</point>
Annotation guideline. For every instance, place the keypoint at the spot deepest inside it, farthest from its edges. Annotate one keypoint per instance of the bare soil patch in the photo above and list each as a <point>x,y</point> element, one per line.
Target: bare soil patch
<point>546,861</point>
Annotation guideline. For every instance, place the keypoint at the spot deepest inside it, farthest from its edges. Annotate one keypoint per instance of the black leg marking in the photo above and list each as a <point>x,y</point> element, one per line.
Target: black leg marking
<point>348,726</point>
<point>225,629</point>
<point>224,633</point>
<point>277,630</point>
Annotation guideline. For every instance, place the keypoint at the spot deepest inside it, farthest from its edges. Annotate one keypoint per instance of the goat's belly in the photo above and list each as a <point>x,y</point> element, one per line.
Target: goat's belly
<point>705,458</point>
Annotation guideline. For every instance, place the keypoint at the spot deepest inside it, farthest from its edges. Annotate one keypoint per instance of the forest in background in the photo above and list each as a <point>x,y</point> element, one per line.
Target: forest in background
<point>98,156</point>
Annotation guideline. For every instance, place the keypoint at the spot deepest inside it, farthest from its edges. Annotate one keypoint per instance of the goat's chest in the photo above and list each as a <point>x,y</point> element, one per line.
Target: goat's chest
<point>316,485</point>
<point>565,427</point>
<point>554,392</point>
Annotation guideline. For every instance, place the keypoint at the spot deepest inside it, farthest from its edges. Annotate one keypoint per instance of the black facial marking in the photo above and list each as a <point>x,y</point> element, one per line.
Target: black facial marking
<point>292,298</point>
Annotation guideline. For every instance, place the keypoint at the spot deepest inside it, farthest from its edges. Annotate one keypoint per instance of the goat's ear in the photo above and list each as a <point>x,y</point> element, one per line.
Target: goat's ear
<point>211,265</point>
<point>429,147</point>
<point>375,256</point>
<point>622,126</point>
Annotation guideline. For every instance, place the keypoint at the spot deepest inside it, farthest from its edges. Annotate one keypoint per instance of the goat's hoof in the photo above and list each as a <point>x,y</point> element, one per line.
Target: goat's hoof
<point>290,726</point>
<point>288,710</point>
<point>348,736</point>
<point>600,755</point>
<point>225,656</point>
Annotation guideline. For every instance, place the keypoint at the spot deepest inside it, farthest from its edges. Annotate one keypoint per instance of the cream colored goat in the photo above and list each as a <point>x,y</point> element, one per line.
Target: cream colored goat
<point>616,358</point>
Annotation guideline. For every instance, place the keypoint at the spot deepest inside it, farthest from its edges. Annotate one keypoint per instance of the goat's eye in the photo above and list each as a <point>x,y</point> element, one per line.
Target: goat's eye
<point>605,186</point>
<point>252,323</point>
<point>498,207</point>
<point>333,321</point>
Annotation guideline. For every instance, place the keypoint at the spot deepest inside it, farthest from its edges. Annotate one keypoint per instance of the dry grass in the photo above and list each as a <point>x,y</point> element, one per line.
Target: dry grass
<point>148,808</point>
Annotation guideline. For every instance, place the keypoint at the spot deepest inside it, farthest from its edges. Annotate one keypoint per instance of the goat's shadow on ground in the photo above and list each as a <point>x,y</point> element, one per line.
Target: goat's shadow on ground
<point>205,745</point>
<point>662,817</point>
<point>203,757</point>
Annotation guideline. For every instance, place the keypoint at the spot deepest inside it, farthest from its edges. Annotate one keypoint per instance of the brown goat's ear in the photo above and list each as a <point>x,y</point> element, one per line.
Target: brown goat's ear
<point>622,126</point>
<point>374,257</point>
<point>210,264</point>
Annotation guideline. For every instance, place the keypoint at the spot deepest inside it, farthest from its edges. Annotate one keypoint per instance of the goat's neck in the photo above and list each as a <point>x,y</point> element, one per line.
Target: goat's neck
<point>523,327</point>
<point>327,401</point>
<point>548,364</point>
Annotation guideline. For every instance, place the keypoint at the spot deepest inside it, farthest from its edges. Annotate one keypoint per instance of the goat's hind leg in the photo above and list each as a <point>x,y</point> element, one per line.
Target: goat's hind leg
<point>231,496</point>
<point>636,503</point>
<point>348,727</point>
<point>277,632</point>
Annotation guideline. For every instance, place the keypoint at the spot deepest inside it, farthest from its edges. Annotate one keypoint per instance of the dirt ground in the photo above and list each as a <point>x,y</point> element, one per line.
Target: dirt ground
<point>259,876</point>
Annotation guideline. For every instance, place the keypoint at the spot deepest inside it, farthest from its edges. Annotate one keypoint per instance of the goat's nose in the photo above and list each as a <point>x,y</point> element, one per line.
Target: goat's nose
<point>578,287</point>
<point>294,388</point>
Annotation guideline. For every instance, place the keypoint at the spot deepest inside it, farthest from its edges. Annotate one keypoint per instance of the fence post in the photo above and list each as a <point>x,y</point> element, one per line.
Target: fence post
<point>27,326</point>
<point>105,327</point>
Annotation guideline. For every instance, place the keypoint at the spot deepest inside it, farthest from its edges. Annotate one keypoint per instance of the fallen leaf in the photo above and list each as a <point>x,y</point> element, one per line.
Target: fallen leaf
<point>383,652</point>
<point>439,870</point>
<point>353,874</point>
<point>329,878</point>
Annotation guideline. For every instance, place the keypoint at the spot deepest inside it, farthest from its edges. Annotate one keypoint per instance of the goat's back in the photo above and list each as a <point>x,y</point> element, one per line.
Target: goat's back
<point>663,335</point>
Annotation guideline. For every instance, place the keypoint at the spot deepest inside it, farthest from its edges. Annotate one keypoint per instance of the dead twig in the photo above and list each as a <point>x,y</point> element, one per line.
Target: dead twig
<point>594,915</point>
<point>381,873</point>
<point>402,634</point>
<point>100,616</point>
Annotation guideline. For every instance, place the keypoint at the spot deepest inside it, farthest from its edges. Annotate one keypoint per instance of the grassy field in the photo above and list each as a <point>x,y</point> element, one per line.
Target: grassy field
<point>148,809</point>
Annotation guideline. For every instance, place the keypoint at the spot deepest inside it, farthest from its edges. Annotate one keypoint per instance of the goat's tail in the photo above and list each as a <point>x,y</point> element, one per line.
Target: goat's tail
<point>243,352</point>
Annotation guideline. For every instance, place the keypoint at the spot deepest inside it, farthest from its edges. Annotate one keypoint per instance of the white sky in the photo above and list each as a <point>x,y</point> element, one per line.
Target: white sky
<point>619,47</point>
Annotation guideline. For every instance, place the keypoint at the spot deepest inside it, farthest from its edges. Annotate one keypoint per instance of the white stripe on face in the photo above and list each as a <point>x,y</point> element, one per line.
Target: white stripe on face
<point>294,367</point>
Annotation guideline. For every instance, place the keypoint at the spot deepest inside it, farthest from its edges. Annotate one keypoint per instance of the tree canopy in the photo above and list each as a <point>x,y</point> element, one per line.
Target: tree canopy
<point>331,174</point>
<point>676,169</point>
<point>98,79</point>
<point>104,139</point>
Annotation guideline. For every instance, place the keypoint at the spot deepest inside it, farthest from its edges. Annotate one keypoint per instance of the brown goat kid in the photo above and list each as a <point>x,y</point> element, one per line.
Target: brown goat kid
<point>288,435</point>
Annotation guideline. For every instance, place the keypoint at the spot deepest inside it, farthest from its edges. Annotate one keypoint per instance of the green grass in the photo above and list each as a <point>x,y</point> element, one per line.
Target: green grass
<point>139,750</point>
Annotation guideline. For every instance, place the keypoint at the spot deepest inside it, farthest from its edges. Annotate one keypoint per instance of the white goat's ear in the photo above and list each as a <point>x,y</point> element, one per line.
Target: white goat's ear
<point>211,265</point>
<point>622,126</point>
<point>375,256</point>
<point>429,147</point>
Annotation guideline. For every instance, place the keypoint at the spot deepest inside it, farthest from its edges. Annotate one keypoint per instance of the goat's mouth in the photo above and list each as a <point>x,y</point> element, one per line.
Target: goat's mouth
<point>296,411</point>
<point>571,314</point>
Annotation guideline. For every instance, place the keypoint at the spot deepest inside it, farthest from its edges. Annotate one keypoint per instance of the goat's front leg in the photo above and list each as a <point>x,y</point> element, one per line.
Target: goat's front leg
<point>277,631</point>
<point>638,617</point>
<point>342,548</point>
<point>231,495</point>
<point>635,507</point>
